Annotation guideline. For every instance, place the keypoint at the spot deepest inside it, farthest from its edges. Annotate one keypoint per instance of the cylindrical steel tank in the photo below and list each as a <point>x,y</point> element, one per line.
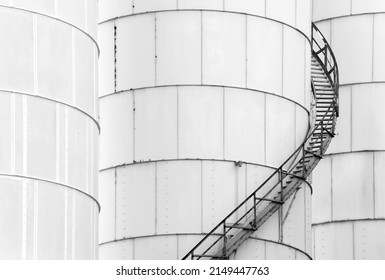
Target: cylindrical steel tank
<point>187,88</point>
<point>48,129</point>
<point>349,187</point>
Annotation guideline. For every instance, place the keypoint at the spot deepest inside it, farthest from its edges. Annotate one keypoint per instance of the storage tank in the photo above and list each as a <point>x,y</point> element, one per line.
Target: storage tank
<point>187,89</point>
<point>349,212</point>
<point>48,129</point>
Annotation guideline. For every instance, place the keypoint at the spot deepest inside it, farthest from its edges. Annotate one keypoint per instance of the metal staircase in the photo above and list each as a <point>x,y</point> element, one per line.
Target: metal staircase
<point>224,239</point>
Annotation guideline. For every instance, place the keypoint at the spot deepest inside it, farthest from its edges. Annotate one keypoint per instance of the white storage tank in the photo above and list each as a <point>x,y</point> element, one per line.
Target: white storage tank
<point>188,88</point>
<point>349,212</point>
<point>48,129</point>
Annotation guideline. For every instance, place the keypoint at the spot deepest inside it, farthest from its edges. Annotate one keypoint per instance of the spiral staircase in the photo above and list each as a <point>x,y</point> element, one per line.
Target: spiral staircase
<point>224,239</point>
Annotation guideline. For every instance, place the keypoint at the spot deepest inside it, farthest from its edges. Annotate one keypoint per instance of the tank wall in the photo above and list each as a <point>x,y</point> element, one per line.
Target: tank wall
<point>49,130</point>
<point>188,198</point>
<point>347,183</point>
<point>185,96</point>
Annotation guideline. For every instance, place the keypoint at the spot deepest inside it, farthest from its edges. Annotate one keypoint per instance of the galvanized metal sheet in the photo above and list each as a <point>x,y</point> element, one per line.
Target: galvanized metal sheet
<point>142,6</point>
<point>54,56</point>
<point>280,130</point>
<point>178,45</point>
<point>16,56</point>
<point>6,136</point>
<point>294,226</point>
<point>368,240</point>
<point>86,79</point>
<point>251,249</point>
<point>116,138</point>
<point>219,192</point>
<point>85,238</point>
<point>256,7</point>
<point>111,9</point>
<point>135,52</point>
<point>73,11</point>
<point>352,188</point>
<point>201,4</point>
<point>379,184</point>
<point>362,6</point>
<point>41,139</point>
<point>301,125</point>
<point>156,248</point>
<point>156,124</point>
<point>118,250</point>
<point>51,222</point>
<point>367,108</point>
<point>333,241</point>
<point>276,251</point>
<point>343,140</point>
<point>41,6</point>
<point>304,16</point>
<point>224,49</point>
<point>106,59</point>
<point>107,225</point>
<point>178,197</point>
<point>270,229</point>
<point>379,45</point>
<point>11,218</point>
<point>322,10</point>
<point>281,10</point>
<point>136,205</point>
<point>357,33</point>
<point>294,65</point>
<point>308,93</point>
<point>244,125</point>
<point>264,57</point>
<point>77,145</point>
<point>200,126</point>
<point>255,176</point>
<point>322,180</point>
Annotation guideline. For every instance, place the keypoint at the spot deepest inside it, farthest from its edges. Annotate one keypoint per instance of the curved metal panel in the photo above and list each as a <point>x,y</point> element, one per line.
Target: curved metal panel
<point>334,241</point>
<point>156,117</point>
<point>367,103</point>
<point>200,122</point>
<point>356,33</point>
<point>107,226</point>
<point>244,125</point>
<point>136,191</point>
<point>378,47</point>
<point>178,197</point>
<point>322,10</point>
<point>256,7</point>
<point>282,10</point>
<point>223,49</point>
<point>16,56</point>
<point>201,4</point>
<point>352,186</point>
<point>372,6</point>
<point>294,65</point>
<point>178,45</point>
<point>116,140</point>
<point>264,55</point>
<point>135,52</point>
<point>280,129</point>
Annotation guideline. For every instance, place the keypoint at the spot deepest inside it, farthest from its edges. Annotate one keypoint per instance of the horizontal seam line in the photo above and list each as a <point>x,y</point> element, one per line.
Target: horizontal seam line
<point>58,19</point>
<point>207,10</point>
<point>56,101</point>
<point>53,182</point>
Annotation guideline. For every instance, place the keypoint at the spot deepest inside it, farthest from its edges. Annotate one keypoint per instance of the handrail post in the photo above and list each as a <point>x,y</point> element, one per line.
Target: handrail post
<point>255,210</point>
<point>303,160</point>
<point>322,137</point>
<point>224,239</point>
<point>280,211</point>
